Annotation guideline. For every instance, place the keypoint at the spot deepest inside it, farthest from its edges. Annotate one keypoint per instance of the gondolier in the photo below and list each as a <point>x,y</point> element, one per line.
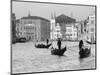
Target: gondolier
<point>47,41</point>
<point>59,44</point>
<point>81,44</point>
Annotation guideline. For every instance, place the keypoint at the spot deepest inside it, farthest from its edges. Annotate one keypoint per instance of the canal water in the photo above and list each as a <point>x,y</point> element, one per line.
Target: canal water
<point>26,58</point>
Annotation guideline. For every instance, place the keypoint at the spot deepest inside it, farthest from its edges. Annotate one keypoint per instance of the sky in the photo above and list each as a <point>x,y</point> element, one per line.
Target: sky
<point>45,10</point>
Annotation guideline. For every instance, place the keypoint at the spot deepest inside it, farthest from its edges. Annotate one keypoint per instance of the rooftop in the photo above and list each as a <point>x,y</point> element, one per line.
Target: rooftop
<point>35,17</point>
<point>65,19</point>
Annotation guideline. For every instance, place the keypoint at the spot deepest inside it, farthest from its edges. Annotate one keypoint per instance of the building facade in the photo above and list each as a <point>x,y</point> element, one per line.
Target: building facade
<point>63,27</point>
<point>71,32</point>
<point>33,28</point>
<point>91,28</point>
<point>79,30</point>
<point>55,29</point>
<point>58,31</point>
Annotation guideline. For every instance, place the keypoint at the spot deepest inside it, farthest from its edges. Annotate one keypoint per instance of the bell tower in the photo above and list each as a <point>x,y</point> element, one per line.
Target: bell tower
<point>52,26</point>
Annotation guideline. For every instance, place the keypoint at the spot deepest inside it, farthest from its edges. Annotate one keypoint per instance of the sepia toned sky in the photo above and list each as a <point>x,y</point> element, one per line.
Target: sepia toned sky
<point>44,10</point>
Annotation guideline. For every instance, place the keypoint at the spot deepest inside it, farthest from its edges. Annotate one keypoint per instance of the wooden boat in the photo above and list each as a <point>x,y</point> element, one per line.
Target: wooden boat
<point>91,42</point>
<point>84,52</point>
<point>58,52</point>
<point>19,40</point>
<point>42,46</point>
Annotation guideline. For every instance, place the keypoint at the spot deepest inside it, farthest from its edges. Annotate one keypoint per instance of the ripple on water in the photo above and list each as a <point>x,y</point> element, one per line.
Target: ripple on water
<point>31,59</point>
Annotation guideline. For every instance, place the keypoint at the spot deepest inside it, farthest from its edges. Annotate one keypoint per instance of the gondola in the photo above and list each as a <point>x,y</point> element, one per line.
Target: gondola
<point>42,46</point>
<point>58,52</point>
<point>19,40</point>
<point>91,42</point>
<point>84,52</point>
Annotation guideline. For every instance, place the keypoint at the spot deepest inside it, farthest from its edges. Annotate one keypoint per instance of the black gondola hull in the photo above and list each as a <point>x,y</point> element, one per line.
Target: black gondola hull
<point>58,52</point>
<point>42,46</point>
<point>91,42</point>
<point>84,53</point>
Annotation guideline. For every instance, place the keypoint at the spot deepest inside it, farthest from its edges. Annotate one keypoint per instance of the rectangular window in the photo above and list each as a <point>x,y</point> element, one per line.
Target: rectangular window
<point>92,29</point>
<point>92,22</point>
